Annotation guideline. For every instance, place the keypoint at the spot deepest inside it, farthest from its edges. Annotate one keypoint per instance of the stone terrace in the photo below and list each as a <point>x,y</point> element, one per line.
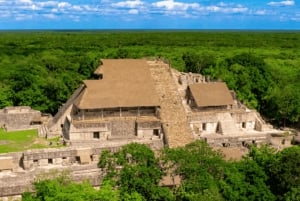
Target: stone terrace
<point>172,112</point>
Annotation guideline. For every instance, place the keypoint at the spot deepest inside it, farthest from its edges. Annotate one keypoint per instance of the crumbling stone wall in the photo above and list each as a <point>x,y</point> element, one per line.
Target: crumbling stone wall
<point>204,123</point>
<point>245,120</point>
<point>149,129</point>
<point>18,118</point>
<point>238,141</point>
<point>86,131</point>
<point>10,162</point>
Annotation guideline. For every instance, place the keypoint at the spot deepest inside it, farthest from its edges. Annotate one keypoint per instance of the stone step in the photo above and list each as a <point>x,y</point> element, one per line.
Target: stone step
<point>227,124</point>
<point>172,111</point>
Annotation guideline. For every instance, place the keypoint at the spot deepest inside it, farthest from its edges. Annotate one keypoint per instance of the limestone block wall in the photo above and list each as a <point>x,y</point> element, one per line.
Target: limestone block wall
<point>58,157</point>
<point>203,117</point>
<point>204,123</point>
<point>123,128</point>
<point>86,136</point>
<point>47,157</point>
<point>242,140</point>
<point>120,128</point>
<point>67,157</point>
<point>10,161</point>
<point>149,129</point>
<point>186,79</point>
<point>204,127</point>
<point>245,120</point>
<point>18,118</point>
<point>89,131</point>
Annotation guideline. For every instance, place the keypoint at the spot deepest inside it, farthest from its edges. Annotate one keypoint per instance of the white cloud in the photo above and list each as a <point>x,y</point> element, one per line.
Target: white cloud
<point>50,16</point>
<point>172,5</point>
<point>261,12</point>
<point>63,5</point>
<point>47,3</point>
<point>21,17</point>
<point>281,3</point>
<point>195,9</point>
<point>225,8</point>
<point>133,11</point>
<point>77,8</point>
<point>83,9</point>
<point>128,4</point>
<point>24,1</point>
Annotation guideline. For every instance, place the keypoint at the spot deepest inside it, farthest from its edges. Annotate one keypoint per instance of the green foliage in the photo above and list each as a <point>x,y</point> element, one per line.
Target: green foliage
<point>139,172</point>
<point>197,63</point>
<point>280,168</point>
<point>245,180</point>
<point>199,166</point>
<point>292,195</point>
<point>263,156</point>
<point>61,187</point>
<point>284,171</point>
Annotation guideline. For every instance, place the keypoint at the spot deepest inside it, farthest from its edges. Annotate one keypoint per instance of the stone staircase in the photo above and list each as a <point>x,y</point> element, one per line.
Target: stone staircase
<point>54,124</point>
<point>172,112</point>
<point>43,131</point>
<point>263,126</point>
<point>227,124</point>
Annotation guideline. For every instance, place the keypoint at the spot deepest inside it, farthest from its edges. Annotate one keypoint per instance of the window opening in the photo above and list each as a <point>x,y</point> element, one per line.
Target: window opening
<point>156,132</point>
<point>96,135</point>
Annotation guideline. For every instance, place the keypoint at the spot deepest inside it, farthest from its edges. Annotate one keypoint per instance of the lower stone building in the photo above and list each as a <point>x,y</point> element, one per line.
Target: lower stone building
<point>21,118</point>
<point>215,114</point>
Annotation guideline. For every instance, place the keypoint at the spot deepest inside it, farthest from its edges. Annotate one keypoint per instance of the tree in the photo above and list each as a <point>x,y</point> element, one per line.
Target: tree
<point>5,96</point>
<point>284,172</point>
<point>285,103</point>
<point>139,172</point>
<point>196,63</point>
<point>245,180</point>
<point>61,187</point>
<point>199,166</point>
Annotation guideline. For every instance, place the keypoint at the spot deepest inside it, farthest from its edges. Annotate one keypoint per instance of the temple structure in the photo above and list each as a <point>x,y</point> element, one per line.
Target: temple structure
<point>134,100</point>
<point>216,115</point>
<point>121,105</point>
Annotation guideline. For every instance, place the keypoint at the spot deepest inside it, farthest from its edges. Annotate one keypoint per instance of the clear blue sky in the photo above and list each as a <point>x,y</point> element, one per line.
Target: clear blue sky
<point>149,14</point>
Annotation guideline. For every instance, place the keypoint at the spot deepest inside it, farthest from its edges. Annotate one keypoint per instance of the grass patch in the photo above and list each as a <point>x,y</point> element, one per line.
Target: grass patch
<point>22,140</point>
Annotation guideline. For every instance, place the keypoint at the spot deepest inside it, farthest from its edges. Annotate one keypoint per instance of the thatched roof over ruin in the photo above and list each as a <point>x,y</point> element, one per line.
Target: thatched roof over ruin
<point>211,94</point>
<point>125,83</point>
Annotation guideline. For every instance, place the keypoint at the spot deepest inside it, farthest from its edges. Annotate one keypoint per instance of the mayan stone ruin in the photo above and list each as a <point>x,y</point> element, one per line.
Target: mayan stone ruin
<point>134,100</point>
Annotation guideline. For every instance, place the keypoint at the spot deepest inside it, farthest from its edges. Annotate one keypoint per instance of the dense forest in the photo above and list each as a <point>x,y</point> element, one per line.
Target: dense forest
<point>134,172</point>
<point>42,69</point>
